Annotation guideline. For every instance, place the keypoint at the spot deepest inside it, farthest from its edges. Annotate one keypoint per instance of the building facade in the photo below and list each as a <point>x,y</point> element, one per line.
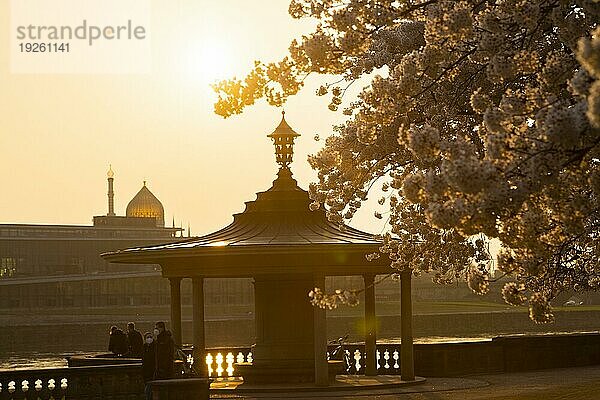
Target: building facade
<point>28,250</point>
<point>49,266</point>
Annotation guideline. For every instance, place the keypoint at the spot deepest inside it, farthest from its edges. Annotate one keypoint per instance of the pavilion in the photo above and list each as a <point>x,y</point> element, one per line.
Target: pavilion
<point>288,250</point>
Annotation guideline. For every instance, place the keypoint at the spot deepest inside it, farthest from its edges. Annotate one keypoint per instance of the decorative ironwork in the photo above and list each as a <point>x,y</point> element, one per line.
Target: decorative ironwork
<point>283,138</point>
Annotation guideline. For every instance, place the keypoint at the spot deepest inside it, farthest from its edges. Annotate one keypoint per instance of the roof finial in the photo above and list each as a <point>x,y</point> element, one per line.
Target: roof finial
<point>144,182</point>
<point>283,138</point>
<point>110,174</point>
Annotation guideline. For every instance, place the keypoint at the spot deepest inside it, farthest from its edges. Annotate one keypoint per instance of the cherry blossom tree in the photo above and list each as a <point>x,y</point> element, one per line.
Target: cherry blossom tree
<point>481,120</point>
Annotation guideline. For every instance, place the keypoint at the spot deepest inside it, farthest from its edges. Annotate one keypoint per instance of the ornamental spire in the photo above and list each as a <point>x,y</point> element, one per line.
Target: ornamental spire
<point>283,138</point>
<point>111,194</point>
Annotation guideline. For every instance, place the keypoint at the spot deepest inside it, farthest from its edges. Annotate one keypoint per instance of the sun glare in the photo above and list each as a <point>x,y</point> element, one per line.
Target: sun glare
<point>208,61</point>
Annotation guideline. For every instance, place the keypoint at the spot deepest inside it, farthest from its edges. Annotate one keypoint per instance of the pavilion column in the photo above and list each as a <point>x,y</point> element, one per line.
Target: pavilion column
<point>176,309</point>
<point>370,326</point>
<point>407,362</point>
<point>198,326</point>
<point>320,341</point>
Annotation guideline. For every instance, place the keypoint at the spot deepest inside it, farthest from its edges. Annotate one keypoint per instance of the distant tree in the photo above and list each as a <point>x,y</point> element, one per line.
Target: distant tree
<point>483,123</point>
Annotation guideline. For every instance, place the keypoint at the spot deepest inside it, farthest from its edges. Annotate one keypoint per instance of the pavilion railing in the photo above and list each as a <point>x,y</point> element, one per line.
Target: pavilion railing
<point>221,361</point>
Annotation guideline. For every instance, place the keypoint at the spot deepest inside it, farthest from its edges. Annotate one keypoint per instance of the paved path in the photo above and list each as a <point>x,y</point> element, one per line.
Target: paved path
<point>557,384</point>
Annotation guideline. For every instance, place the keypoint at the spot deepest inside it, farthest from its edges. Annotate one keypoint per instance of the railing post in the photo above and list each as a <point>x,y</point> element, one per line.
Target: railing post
<point>370,326</point>
<point>176,309</point>
<point>198,322</point>
<point>407,362</point>
<point>320,338</point>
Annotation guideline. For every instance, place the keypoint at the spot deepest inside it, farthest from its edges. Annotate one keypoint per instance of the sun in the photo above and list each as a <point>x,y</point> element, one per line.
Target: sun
<point>208,61</point>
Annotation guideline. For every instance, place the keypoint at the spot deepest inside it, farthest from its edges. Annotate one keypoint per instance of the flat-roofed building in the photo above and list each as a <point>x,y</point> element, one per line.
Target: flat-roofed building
<point>30,250</point>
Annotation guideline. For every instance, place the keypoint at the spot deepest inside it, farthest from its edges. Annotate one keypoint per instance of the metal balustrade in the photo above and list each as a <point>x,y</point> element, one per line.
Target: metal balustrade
<point>221,362</point>
<point>388,359</point>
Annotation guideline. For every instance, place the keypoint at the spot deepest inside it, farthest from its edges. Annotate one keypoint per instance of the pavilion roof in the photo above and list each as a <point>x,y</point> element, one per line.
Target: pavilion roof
<point>277,228</point>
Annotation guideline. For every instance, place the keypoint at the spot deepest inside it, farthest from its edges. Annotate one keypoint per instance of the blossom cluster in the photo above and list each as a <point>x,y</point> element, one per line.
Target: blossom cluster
<point>484,123</point>
<point>319,298</point>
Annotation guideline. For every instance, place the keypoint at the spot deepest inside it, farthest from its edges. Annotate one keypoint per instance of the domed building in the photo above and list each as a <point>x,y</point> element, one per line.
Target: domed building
<point>145,205</point>
<point>35,250</point>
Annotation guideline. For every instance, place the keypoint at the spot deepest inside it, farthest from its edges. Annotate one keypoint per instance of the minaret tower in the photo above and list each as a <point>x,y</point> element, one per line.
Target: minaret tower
<point>111,194</point>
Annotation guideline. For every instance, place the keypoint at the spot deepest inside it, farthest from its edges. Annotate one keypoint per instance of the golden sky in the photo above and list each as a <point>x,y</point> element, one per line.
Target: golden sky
<point>59,133</point>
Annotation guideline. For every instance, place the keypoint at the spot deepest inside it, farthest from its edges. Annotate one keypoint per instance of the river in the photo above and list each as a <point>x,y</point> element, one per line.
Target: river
<point>33,360</point>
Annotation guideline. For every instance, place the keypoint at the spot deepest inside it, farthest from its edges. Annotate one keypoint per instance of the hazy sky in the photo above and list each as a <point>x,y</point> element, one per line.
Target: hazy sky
<point>59,133</point>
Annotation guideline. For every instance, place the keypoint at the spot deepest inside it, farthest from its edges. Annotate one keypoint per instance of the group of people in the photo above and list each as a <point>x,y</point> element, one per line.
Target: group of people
<point>128,344</point>
<point>156,349</point>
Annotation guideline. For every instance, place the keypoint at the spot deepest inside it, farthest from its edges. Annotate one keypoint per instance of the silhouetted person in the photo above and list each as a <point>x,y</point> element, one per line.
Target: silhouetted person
<point>148,363</point>
<point>164,348</point>
<point>135,341</point>
<point>118,341</point>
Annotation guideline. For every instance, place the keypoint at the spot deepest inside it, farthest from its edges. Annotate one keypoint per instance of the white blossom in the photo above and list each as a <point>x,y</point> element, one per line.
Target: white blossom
<point>487,122</point>
<point>539,308</point>
<point>477,280</point>
<point>512,293</point>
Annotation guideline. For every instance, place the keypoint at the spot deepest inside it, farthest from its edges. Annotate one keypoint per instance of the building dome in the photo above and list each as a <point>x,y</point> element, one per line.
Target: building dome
<point>144,204</point>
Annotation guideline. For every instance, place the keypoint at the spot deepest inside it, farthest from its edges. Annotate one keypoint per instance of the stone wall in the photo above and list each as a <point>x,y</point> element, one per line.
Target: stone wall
<point>507,354</point>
